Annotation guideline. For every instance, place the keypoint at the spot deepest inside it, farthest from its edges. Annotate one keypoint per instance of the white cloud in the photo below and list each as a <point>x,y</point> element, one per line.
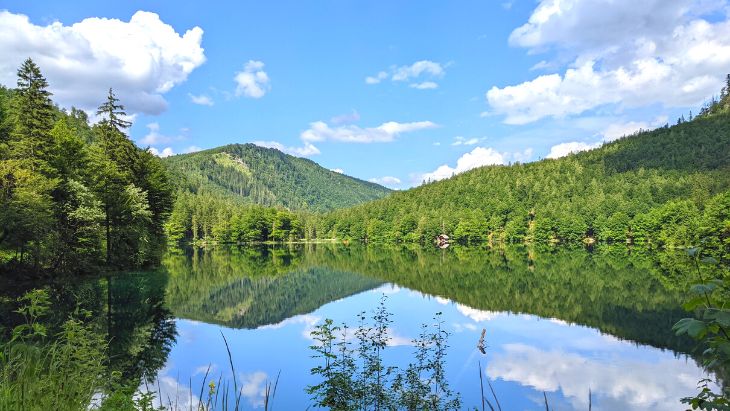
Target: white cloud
<point>476,315</point>
<point>387,288</point>
<point>338,170</point>
<point>628,53</point>
<point>253,81</point>
<point>463,141</point>
<point>618,130</point>
<point>442,300</point>
<point>153,137</point>
<point>386,181</point>
<point>426,85</point>
<point>308,320</point>
<point>253,387</point>
<point>141,59</point>
<point>192,149</point>
<point>396,340</point>
<point>167,389</point>
<point>651,384</point>
<point>166,152</point>
<point>563,149</point>
<point>202,99</point>
<point>521,156</point>
<point>376,78</point>
<point>386,132</point>
<point>305,151</point>
<point>478,157</point>
<point>415,70</point>
<point>418,70</point>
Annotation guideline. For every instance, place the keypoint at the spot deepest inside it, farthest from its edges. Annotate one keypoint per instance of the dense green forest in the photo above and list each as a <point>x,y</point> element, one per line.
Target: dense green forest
<point>668,187</point>
<point>633,295</point>
<point>268,177</point>
<point>75,196</point>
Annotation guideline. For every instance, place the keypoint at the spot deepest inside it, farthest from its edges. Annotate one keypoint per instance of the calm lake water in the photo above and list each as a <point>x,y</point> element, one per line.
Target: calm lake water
<point>557,321</point>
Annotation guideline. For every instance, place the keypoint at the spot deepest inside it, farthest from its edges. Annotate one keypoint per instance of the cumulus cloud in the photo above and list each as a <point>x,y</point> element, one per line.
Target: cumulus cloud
<point>651,385</point>
<point>202,100</point>
<point>415,70</point>
<point>414,74</point>
<point>386,132</point>
<point>563,149</point>
<point>166,152</point>
<point>319,131</point>
<point>609,133</point>
<point>521,156</point>
<point>478,157</point>
<point>308,149</point>
<point>338,170</point>
<point>476,315</point>
<point>253,387</point>
<point>192,149</point>
<point>376,78</point>
<point>386,181</point>
<point>253,81</point>
<point>166,388</point>
<point>154,137</point>
<point>618,130</point>
<point>141,59</point>
<point>627,53</point>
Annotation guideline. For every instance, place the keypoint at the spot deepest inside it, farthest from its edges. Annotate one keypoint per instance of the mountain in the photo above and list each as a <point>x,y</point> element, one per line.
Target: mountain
<point>268,177</point>
<point>668,187</point>
<point>253,287</point>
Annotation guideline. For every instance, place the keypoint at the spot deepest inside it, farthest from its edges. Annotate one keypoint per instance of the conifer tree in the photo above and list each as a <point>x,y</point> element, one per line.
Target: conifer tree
<point>33,117</point>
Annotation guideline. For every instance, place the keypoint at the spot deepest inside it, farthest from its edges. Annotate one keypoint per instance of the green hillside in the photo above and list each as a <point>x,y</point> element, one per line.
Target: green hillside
<point>667,187</point>
<point>268,177</point>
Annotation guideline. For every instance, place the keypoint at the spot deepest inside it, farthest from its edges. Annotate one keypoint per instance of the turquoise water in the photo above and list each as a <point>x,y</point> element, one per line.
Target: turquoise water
<point>558,322</point>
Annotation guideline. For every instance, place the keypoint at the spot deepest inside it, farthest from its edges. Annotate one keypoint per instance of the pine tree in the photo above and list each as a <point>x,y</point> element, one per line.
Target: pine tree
<point>113,112</point>
<point>33,116</point>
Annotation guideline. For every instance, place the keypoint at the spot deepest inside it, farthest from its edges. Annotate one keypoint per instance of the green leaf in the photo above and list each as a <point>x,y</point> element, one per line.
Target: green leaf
<point>720,316</point>
<point>707,288</point>
<point>692,251</point>
<point>694,303</point>
<point>692,327</point>
<point>709,260</point>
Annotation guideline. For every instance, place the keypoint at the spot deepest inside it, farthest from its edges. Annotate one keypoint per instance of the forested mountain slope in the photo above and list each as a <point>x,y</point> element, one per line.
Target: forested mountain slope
<point>668,187</point>
<point>268,177</point>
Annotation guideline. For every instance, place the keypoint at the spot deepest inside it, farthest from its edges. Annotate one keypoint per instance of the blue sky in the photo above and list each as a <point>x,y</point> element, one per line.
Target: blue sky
<point>396,92</point>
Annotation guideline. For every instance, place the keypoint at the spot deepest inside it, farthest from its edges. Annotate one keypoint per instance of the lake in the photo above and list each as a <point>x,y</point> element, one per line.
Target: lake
<point>557,321</point>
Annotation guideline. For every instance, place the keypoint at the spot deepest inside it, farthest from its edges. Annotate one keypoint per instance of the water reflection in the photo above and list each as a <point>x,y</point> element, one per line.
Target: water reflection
<point>128,310</point>
<point>557,321</point>
<point>560,321</point>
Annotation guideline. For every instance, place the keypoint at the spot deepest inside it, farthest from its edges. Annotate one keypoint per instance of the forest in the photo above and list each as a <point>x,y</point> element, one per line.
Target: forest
<point>257,175</point>
<point>75,196</point>
<point>668,187</point>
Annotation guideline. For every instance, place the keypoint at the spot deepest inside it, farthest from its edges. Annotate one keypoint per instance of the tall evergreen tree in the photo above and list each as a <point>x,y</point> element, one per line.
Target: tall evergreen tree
<point>33,117</point>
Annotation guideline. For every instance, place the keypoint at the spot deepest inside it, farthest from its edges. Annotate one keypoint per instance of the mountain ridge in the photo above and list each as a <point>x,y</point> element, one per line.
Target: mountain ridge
<point>266,176</point>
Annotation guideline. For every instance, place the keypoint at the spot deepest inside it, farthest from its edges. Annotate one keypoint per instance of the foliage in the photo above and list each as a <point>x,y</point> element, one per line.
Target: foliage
<point>217,219</point>
<point>710,301</point>
<point>654,188</point>
<point>355,378</point>
<point>70,191</point>
<point>62,373</point>
<point>256,175</point>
